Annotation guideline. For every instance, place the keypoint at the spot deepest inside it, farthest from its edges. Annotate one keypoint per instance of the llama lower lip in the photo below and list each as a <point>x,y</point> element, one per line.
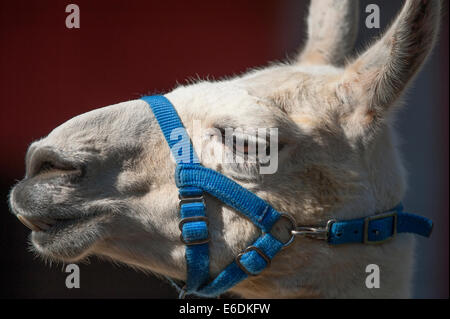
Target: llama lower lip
<point>45,225</point>
<point>36,224</point>
<point>58,241</point>
<point>61,225</point>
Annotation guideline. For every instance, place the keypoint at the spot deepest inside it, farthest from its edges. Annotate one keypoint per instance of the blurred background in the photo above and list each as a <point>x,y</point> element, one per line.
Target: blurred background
<point>124,49</point>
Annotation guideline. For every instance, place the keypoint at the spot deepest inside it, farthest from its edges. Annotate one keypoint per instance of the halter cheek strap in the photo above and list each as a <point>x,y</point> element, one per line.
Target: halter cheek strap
<point>193,180</point>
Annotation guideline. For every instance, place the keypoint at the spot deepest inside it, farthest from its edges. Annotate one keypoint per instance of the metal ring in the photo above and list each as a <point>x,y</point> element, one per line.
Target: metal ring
<point>291,219</point>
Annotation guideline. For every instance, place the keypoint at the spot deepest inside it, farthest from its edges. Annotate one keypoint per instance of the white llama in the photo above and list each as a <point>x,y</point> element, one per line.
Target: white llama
<point>103,183</point>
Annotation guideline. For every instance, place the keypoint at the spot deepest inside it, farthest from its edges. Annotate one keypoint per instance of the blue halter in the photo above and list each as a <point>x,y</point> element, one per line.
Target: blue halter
<point>192,180</point>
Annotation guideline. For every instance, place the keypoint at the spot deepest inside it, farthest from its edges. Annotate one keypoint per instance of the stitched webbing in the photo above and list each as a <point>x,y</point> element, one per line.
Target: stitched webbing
<point>197,255</point>
<point>172,128</point>
<point>231,193</point>
<point>191,178</point>
<point>374,229</point>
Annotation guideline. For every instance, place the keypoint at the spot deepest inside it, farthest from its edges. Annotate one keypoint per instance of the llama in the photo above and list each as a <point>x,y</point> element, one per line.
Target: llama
<point>102,183</point>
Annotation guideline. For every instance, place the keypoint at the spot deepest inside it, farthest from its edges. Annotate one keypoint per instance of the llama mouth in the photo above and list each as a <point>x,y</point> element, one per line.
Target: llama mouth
<point>37,224</point>
<point>66,239</point>
<point>46,224</point>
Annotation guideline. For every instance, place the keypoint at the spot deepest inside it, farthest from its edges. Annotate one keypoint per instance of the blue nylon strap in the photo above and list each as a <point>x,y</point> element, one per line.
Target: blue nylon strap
<point>192,179</point>
<point>252,261</point>
<point>374,229</point>
<point>229,192</point>
<point>244,201</point>
<point>172,128</point>
<point>197,255</point>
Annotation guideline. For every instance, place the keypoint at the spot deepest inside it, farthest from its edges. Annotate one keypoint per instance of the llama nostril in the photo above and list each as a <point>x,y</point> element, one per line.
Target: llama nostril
<point>45,166</point>
<point>46,160</point>
<point>50,166</point>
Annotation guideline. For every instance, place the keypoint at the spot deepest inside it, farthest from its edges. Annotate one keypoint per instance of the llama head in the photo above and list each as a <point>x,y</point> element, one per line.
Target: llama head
<point>102,183</point>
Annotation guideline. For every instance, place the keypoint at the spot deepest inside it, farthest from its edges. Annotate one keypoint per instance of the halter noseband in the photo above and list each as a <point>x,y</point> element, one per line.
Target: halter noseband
<point>192,180</point>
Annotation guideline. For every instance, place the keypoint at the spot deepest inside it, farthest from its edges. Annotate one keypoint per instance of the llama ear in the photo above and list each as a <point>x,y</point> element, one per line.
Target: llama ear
<point>332,31</point>
<point>377,78</point>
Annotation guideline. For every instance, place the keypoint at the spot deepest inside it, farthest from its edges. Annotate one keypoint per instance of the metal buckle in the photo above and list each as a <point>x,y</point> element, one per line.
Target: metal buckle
<point>314,232</point>
<point>192,219</point>
<point>187,200</point>
<point>367,220</point>
<point>189,220</point>
<point>196,242</point>
<point>246,250</point>
<point>190,199</point>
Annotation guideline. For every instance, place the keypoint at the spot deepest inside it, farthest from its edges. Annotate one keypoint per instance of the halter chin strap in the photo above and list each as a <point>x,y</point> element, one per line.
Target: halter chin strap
<point>193,180</point>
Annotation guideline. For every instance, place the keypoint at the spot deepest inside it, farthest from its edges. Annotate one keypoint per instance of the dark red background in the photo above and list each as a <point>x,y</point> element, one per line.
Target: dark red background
<point>49,73</point>
<point>123,49</point>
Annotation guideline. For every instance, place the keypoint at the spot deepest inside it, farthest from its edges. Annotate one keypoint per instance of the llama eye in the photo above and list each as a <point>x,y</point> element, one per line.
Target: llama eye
<point>240,145</point>
<point>240,142</point>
